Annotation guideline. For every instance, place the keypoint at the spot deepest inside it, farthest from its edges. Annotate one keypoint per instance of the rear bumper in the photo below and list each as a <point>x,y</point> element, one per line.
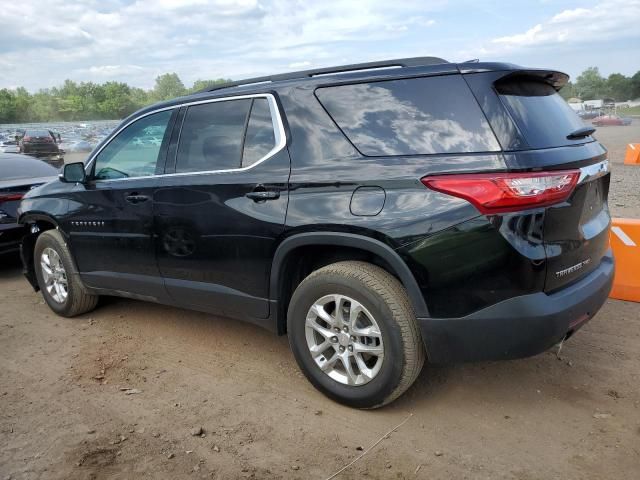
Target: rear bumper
<point>520,326</point>
<point>41,149</point>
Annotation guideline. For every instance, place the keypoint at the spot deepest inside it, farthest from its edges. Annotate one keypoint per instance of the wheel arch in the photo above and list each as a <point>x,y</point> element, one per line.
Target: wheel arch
<point>353,243</point>
<point>38,223</point>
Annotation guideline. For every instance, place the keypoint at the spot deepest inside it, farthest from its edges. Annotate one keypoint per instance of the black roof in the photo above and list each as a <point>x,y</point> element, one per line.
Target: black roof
<point>381,70</point>
<point>356,67</point>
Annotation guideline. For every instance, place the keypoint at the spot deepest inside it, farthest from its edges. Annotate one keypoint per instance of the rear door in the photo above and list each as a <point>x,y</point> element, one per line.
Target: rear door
<point>220,212</point>
<point>548,135</point>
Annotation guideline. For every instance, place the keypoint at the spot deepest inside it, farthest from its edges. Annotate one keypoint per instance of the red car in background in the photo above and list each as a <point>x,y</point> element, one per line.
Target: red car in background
<point>610,120</point>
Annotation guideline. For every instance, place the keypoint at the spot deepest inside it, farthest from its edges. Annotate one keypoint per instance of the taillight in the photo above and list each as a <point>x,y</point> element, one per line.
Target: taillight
<point>8,197</point>
<point>493,193</point>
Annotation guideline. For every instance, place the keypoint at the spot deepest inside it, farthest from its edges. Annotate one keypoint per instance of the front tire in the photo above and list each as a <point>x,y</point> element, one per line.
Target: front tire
<point>57,277</point>
<point>354,334</point>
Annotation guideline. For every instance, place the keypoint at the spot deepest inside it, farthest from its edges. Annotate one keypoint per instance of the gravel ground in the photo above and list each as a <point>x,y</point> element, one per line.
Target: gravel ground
<point>624,195</point>
<point>64,413</point>
<point>123,392</point>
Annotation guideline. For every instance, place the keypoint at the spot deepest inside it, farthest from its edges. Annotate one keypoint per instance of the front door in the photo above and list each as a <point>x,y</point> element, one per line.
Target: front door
<point>111,216</point>
<point>220,212</point>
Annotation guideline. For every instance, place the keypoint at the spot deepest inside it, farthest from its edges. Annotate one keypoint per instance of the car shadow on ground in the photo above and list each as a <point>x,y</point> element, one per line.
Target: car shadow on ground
<point>10,266</point>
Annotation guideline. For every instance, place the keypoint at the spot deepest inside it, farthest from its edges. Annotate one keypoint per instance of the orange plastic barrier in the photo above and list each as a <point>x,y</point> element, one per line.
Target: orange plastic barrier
<point>632,157</point>
<point>625,241</point>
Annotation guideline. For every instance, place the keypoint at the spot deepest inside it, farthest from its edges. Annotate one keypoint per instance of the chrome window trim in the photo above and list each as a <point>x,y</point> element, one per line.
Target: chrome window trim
<point>276,120</point>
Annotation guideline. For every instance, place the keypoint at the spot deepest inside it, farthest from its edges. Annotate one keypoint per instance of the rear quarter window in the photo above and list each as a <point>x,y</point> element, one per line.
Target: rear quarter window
<point>429,115</point>
<point>260,137</point>
<point>543,117</point>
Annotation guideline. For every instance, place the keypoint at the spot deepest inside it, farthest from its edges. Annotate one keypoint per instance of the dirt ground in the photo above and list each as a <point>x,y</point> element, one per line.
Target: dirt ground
<point>624,195</point>
<point>64,413</point>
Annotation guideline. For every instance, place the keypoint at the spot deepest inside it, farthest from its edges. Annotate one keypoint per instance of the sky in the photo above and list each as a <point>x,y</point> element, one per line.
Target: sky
<point>44,42</point>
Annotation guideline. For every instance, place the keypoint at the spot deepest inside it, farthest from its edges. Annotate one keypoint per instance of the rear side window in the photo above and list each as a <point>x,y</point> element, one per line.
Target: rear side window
<point>540,113</point>
<point>430,115</point>
<point>260,138</point>
<point>211,136</point>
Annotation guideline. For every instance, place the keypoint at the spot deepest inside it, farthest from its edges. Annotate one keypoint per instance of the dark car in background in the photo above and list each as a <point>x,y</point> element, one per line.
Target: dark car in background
<point>379,214</point>
<point>588,114</point>
<point>41,143</point>
<point>18,175</point>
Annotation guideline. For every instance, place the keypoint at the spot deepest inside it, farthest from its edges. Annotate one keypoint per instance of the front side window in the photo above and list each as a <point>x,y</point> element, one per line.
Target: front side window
<point>211,136</point>
<point>135,150</point>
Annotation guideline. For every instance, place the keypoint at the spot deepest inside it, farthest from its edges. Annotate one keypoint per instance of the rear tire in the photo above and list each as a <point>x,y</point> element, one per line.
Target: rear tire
<point>325,302</point>
<point>57,277</point>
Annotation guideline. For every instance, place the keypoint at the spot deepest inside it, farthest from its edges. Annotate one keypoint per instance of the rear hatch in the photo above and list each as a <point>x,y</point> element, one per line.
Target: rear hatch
<point>576,232</point>
<point>553,137</point>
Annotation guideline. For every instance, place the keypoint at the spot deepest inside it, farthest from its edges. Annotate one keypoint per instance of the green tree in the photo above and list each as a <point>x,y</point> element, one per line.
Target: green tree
<point>7,106</point>
<point>74,101</point>
<point>168,86</point>
<point>199,85</point>
<point>117,101</point>
<point>44,106</point>
<point>140,98</point>
<point>69,97</point>
<point>590,85</point>
<point>568,91</point>
<point>23,105</point>
<point>91,95</point>
<point>619,87</point>
<point>635,86</point>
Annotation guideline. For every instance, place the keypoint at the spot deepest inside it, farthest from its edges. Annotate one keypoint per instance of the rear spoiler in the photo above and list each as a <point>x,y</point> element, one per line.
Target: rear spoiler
<point>509,70</point>
<point>556,79</point>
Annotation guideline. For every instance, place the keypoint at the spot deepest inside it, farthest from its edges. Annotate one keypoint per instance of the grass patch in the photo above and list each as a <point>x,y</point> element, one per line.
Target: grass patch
<point>623,112</point>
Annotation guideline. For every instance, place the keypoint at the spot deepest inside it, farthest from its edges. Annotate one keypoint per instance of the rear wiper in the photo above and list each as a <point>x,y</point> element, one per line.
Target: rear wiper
<point>581,133</point>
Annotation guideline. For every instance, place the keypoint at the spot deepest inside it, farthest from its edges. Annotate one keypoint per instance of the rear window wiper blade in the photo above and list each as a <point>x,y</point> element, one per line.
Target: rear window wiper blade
<point>581,133</point>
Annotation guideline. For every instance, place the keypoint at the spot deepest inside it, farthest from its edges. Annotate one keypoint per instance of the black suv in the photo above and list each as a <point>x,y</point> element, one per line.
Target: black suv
<point>378,216</point>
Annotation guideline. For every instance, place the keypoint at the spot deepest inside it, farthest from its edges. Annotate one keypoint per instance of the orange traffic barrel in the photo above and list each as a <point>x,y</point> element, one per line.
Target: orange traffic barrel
<point>632,157</point>
<point>625,241</point>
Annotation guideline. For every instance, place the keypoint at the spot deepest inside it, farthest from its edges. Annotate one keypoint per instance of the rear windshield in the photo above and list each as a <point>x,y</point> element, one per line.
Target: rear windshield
<point>37,133</point>
<point>544,117</point>
<point>428,115</point>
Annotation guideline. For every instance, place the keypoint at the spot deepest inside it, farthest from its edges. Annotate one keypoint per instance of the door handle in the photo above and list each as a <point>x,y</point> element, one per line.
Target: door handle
<point>135,198</point>
<point>262,195</point>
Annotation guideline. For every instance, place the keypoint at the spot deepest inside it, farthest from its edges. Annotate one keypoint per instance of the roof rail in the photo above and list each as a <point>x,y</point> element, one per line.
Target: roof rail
<point>398,62</point>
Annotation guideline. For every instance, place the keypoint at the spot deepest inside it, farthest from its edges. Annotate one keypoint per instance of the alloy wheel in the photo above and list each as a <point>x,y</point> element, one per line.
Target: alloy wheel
<point>344,339</point>
<point>54,275</point>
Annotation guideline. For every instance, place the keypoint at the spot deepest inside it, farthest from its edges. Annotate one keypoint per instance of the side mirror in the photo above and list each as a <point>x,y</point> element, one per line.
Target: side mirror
<point>73,173</point>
